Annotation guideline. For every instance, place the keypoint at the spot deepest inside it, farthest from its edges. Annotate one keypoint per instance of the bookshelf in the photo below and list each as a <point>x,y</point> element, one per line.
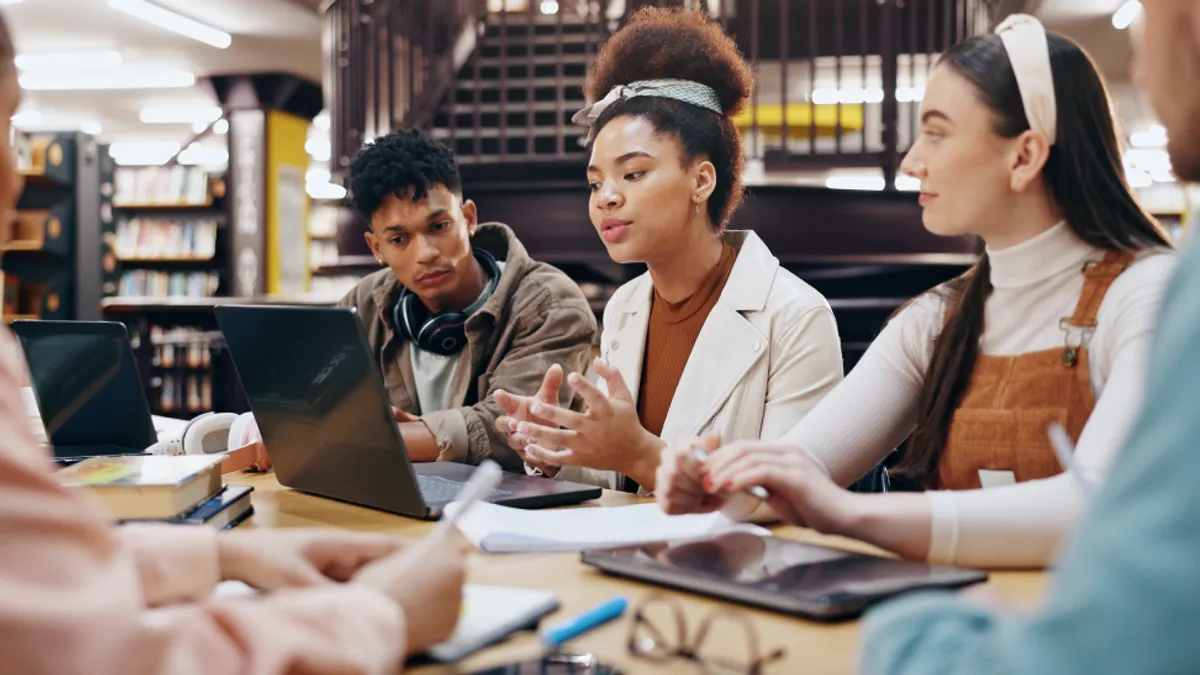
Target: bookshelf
<point>49,268</point>
<point>165,233</point>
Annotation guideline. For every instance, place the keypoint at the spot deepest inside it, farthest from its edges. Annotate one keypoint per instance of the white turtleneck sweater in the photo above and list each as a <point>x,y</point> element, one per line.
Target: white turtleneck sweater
<point>1035,283</point>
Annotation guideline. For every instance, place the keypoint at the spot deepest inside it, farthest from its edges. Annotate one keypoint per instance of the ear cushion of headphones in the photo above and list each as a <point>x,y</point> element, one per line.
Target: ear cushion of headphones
<point>207,434</point>
<point>240,431</point>
<point>443,334</point>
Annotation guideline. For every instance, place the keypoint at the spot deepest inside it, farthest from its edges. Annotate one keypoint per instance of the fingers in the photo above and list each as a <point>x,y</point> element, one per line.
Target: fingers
<point>616,384</point>
<point>732,454</point>
<point>544,455</point>
<point>550,385</point>
<point>597,403</point>
<point>552,414</point>
<point>512,404</point>
<point>679,489</point>
<point>554,439</point>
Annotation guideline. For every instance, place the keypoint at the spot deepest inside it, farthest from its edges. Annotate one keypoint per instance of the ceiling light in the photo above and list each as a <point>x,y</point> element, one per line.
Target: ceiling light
<point>325,190</point>
<point>321,121</point>
<point>221,127</point>
<point>875,183</point>
<point>319,149</point>
<point>549,7</point>
<point>1125,16</point>
<point>176,23</point>
<point>68,60</point>
<point>27,118</point>
<point>204,154</point>
<point>204,114</point>
<point>90,127</point>
<point>116,79</point>
<point>142,153</point>
<point>1154,137</point>
<point>1138,179</point>
<point>11,2</point>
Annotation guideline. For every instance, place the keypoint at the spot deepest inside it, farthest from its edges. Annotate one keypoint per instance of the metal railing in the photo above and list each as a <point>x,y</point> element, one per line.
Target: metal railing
<point>839,82</point>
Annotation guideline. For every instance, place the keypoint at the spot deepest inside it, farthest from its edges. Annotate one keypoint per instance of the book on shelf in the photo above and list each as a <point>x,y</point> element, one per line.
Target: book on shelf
<point>166,239</point>
<point>147,487</point>
<point>159,283</point>
<point>161,185</point>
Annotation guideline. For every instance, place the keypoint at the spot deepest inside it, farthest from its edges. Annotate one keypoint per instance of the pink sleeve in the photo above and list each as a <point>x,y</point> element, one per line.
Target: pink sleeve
<point>73,600</point>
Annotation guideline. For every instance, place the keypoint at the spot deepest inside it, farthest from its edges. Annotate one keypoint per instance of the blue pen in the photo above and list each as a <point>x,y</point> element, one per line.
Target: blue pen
<point>599,615</point>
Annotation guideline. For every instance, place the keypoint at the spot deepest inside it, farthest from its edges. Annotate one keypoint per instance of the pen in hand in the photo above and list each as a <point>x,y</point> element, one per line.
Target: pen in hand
<point>483,480</point>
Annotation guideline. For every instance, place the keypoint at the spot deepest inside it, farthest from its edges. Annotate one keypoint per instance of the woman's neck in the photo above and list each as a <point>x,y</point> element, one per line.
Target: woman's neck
<point>679,274</point>
<point>1029,216</point>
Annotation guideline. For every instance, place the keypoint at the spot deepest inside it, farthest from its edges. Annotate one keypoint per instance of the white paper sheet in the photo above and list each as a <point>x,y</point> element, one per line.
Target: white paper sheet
<point>501,529</point>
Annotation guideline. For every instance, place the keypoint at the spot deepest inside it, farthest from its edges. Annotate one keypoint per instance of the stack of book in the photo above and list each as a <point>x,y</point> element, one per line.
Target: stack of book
<point>183,489</point>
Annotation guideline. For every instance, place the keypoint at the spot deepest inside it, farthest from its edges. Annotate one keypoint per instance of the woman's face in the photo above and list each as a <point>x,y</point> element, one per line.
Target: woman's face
<point>964,166</point>
<point>11,182</point>
<point>642,195</point>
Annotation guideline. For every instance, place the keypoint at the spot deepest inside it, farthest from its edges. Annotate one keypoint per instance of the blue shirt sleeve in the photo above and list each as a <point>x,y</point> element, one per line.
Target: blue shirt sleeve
<point>1126,593</point>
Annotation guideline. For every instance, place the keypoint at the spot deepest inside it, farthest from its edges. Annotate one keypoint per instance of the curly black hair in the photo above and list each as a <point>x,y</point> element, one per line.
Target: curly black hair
<point>672,43</point>
<point>402,163</point>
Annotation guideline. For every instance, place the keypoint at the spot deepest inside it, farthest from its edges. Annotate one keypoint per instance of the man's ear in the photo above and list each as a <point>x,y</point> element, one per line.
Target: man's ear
<point>373,243</point>
<point>470,216</point>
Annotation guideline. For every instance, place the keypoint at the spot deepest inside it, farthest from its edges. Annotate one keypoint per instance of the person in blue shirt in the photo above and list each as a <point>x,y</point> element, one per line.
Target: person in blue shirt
<point>1126,592</point>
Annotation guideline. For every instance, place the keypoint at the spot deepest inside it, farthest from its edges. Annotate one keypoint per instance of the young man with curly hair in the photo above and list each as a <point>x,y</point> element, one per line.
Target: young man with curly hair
<point>460,310</point>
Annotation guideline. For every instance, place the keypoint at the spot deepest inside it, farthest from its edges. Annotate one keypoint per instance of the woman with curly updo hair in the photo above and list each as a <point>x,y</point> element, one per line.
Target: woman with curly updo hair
<point>717,338</point>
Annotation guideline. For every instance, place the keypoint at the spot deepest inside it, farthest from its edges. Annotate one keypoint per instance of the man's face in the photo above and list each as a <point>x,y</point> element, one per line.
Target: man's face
<point>1167,68</point>
<point>427,244</point>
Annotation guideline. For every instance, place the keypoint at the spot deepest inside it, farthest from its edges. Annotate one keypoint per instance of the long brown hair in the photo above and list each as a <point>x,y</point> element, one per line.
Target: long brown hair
<point>1085,177</point>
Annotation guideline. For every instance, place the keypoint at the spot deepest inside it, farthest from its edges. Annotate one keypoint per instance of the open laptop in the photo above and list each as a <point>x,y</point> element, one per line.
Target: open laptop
<point>319,400</point>
<point>86,385</point>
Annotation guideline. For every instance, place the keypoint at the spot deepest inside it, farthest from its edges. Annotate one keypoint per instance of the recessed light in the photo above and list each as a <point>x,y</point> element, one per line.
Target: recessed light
<point>1125,16</point>
<point>203,114</point>
<point>68,60</point>
<point>115,79</point>
<point>176,23</point>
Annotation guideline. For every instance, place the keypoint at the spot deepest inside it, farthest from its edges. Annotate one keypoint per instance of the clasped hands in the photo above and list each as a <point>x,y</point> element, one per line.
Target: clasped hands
<point>608,436</point>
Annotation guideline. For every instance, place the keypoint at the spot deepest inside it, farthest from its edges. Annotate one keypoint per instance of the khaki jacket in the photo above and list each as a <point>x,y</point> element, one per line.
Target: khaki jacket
<point>537,317</point>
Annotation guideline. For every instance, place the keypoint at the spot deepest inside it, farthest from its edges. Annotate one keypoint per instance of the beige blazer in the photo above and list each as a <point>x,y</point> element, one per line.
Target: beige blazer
<point>768,352</point>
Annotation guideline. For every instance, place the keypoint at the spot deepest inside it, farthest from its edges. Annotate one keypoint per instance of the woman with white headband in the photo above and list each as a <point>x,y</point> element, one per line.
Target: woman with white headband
<point>1052,325</point>
<point>717,336</point>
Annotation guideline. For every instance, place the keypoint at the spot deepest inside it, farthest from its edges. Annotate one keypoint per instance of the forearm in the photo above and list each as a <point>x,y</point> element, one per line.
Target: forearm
<point>900,523</point>
<point>644,467</point>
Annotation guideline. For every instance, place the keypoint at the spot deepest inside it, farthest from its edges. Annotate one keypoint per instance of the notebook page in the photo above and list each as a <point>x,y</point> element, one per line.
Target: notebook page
<point>500,529</point>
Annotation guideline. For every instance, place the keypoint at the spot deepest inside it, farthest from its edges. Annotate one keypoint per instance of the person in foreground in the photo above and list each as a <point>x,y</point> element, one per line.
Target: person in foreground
<point>717,336</point>
<point>461,310</point>
<point>1053,324</point>
<point>1125,597</point>
<point>75,590</point>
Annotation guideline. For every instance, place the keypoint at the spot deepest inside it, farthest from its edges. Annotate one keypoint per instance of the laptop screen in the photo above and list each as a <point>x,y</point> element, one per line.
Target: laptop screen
<point>319,401</point>
<point>86,383</point>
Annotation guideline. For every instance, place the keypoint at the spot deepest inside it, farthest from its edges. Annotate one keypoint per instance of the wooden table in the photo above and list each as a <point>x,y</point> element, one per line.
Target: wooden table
<point>811,647</point>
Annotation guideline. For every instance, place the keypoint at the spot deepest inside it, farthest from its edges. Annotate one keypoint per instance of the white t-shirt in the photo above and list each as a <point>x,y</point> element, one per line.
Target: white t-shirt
<point>433,373</point>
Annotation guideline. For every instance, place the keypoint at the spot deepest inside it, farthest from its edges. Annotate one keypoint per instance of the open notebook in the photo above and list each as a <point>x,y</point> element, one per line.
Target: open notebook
<point>501,529</point>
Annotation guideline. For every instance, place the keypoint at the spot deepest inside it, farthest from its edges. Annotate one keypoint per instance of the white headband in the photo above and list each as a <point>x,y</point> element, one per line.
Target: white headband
<point>1025,41</point>
<point>697,94</point>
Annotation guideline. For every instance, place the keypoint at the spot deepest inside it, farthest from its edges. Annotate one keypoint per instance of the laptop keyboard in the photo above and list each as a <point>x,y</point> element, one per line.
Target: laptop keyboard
<point>438,490</point>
